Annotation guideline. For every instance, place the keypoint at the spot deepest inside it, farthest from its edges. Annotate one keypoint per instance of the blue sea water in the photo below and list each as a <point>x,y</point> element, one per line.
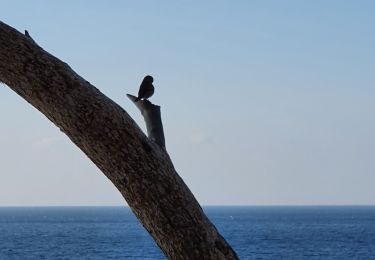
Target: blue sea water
<point>254,232</point>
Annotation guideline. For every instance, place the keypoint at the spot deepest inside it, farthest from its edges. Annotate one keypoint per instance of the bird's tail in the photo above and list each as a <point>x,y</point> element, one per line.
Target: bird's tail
<point>137,99</point>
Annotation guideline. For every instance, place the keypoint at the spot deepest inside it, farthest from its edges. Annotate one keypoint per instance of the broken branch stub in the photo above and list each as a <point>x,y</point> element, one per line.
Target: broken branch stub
<point>152,116</point>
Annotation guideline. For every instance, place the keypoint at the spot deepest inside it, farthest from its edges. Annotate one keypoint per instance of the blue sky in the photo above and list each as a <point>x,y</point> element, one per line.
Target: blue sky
<point>263,102</point>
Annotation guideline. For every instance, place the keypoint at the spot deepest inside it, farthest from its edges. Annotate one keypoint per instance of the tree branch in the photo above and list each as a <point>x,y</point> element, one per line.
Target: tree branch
<point>140,169</point>
<point>151,114</point>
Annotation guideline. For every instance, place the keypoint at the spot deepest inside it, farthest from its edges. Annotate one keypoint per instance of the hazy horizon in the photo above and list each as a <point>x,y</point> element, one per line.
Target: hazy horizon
<point>204,206</point>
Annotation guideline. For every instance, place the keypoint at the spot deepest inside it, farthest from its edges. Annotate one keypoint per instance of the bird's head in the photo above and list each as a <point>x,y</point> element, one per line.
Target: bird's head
<point>149,79</point>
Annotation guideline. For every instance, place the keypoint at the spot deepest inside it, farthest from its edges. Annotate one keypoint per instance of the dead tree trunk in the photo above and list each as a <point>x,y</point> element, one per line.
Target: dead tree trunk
<point>139,168</point>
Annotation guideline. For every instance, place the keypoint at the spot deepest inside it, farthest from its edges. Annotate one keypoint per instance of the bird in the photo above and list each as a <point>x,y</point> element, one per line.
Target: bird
<point>146,90</point>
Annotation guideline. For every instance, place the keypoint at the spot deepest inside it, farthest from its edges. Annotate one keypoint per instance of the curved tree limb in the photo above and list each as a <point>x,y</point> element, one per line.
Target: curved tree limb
<point>139,168</point>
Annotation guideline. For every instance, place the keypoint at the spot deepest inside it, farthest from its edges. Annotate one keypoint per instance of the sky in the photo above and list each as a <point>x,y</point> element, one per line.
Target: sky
<point>263,102</point>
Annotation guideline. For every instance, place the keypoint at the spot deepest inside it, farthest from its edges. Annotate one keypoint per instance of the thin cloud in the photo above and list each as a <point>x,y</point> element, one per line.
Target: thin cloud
<point>47,141</point>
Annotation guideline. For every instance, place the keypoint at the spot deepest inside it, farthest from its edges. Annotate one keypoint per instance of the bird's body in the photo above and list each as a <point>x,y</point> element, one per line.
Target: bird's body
<point>146,90</point>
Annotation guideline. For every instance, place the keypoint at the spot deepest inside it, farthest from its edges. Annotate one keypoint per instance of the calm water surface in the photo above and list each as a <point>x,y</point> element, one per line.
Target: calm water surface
<point>254,232</point>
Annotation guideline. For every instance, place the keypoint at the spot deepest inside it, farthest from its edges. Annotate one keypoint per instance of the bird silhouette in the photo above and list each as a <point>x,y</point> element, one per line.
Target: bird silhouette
<point>146,89</point>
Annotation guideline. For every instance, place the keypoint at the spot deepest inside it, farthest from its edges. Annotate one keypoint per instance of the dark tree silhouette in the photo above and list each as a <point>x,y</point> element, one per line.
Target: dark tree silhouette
<point>139,167</point>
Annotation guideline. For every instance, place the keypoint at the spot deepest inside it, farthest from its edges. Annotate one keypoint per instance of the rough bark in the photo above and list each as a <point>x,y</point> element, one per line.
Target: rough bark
<point>140,169</point>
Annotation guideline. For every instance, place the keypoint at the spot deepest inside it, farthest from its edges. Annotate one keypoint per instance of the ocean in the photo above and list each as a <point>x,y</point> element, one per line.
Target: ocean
<point>255,232</point>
